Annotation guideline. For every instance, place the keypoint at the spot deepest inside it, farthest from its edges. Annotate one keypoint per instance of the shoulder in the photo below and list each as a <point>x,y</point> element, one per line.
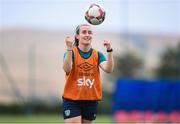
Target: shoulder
<point>101,57</point>
<point>100,54</point>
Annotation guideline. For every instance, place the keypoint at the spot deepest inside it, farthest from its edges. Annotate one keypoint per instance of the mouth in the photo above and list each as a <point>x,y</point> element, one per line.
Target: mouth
<point>87,38</point>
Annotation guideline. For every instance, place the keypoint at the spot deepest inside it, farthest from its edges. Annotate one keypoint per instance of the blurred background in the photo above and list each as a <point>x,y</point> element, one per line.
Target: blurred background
<point>145,34</point>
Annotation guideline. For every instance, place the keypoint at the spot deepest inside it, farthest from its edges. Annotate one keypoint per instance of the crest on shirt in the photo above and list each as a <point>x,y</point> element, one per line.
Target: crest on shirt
<point>67,112</point>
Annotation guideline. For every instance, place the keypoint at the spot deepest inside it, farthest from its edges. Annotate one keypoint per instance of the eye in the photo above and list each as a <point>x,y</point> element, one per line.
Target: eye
<point>89,32</point>
<point>84,32</point>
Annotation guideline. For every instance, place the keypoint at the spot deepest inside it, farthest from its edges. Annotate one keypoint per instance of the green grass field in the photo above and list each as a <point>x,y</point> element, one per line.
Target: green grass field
<point>37,119</point>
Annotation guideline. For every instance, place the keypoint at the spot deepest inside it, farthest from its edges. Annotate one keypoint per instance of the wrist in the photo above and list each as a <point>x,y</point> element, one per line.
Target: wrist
<point>69,49</point>
<point>109,50</point>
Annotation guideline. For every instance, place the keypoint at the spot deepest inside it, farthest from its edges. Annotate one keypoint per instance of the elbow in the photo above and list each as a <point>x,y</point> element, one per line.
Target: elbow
<point>109,71</point>
<point>109,68</point>
<point>67,70</point>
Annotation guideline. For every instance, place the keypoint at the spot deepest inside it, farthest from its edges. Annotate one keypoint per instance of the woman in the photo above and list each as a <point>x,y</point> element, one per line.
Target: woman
<point>83,85</point>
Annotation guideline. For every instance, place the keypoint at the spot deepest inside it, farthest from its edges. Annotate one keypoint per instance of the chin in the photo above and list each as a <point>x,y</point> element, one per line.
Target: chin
<point>87,43</point>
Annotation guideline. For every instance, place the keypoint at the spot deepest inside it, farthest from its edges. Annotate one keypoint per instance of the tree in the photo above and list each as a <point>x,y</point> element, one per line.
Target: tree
<point>128,65</point>
<point>169,63</point>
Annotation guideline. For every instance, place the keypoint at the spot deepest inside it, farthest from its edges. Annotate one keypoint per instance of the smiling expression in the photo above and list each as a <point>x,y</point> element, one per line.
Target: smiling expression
<point>85,35</point>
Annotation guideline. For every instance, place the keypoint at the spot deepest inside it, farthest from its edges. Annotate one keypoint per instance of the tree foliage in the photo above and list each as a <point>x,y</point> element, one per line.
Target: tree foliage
<point>128,65</point>
<point>169,63</point>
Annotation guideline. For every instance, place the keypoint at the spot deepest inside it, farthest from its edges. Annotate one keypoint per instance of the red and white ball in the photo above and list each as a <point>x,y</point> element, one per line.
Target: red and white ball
<point>95,14</point>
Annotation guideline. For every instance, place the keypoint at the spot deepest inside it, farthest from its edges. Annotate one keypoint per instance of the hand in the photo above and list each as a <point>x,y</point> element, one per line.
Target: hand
<point>107,44</point>
<point>69,42</point>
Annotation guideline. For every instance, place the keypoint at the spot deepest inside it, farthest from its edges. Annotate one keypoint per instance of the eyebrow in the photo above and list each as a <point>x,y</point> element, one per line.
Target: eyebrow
<point>86,31</point>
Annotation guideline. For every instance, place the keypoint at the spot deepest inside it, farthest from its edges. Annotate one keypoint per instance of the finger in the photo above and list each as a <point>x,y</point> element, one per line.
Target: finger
<point>67,37</point>
<point>106,43</point>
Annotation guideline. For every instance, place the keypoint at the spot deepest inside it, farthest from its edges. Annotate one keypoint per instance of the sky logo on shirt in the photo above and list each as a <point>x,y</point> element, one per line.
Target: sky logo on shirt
<point>85,82</point>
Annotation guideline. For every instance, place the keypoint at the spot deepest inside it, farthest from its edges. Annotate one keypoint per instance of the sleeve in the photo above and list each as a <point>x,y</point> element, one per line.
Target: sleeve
<point>72,56</point>
<point>101,57</point>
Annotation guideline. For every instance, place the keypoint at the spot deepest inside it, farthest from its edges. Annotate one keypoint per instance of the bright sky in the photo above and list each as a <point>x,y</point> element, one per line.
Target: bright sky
<point>121,15</point>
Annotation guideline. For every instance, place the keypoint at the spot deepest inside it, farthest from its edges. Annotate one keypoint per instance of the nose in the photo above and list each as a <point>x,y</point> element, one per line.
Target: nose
<point>87,34</point>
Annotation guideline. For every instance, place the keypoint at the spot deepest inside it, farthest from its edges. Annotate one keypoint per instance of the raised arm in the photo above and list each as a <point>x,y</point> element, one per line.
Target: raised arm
<point>67,65</point>
<point>108,65</point>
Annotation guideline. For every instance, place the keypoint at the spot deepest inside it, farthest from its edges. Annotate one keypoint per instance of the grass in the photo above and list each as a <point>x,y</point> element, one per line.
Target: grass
<point>37,119</point>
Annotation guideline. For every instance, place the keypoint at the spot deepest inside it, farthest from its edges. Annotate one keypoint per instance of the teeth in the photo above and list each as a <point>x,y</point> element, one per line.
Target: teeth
<point>86,38</point>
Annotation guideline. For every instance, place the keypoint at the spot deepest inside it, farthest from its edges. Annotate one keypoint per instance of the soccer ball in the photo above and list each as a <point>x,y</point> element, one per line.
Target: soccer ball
<point>95,14</point>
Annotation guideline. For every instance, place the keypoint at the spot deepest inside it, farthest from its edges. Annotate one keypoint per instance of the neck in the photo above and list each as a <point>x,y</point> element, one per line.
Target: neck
<point>84,48</point>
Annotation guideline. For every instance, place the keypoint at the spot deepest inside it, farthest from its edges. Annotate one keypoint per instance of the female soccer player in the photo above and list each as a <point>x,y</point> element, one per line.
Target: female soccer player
<point>83,90</point>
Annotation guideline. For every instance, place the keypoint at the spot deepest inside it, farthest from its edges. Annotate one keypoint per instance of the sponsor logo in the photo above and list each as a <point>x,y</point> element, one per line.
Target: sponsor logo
<point>86,74</point>
<point>85,82</point>
<point>85,66</point>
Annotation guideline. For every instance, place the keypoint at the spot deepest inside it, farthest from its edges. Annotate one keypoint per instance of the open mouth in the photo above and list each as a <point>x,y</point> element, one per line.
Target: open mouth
<point>87,38</point>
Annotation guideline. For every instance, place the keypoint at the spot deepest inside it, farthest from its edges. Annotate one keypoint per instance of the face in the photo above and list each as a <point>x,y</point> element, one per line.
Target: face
<point>85,35</point>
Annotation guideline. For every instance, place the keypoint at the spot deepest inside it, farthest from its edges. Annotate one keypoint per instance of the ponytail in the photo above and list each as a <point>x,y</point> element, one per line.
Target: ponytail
<point>76,43</point>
